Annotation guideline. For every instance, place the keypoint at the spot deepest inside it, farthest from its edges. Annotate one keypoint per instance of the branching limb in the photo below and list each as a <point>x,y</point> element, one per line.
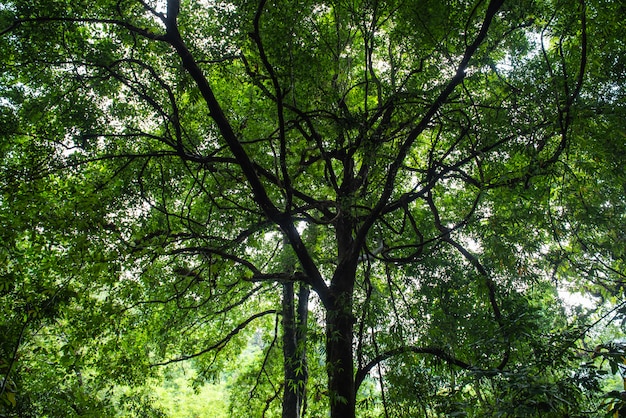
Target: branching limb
<point>265,359</point>
<point>280,107</point>
<point>475,262</point>
<point>435,351</point>
<point>221,343</point>
<point>9,369</point>
<point>395,166</point>
<point>283,220</point>
<point>44,19</point>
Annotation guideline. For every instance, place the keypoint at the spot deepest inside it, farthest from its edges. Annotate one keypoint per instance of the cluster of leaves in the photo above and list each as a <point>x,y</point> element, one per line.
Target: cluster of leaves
<point>435,173</point>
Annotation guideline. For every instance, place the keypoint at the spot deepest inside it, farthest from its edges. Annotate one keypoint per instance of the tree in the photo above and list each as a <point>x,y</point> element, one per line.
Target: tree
<point>422,168</point>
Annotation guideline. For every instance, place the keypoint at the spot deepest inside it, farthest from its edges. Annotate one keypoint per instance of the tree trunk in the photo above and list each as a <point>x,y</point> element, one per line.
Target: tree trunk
<point>340,323</point>
<point>294,350</point>
<point>302,321</point>
<point>291,407</point>
<point>339,333</point>
<point>339,361</point>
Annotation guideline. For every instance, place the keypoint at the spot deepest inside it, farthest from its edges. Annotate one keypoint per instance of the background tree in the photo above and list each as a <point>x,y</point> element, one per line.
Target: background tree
<point>432,172</point>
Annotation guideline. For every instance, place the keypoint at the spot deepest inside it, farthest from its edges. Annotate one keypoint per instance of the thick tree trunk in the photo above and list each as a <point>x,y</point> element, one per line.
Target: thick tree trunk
<point>339,361</point>
<point>339,333</point>
<point>340,323</point>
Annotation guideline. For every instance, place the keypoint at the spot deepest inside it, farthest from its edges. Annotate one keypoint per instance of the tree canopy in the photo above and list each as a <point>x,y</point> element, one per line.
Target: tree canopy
<point>344,208</point>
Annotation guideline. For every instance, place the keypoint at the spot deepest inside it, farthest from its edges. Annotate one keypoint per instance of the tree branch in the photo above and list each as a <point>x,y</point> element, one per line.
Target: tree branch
<point>475,262</point>
<point>435,351</point>
<point>221,343</point>
<point>395,166</point>
<point>134,29</point>
<point>283,220</point>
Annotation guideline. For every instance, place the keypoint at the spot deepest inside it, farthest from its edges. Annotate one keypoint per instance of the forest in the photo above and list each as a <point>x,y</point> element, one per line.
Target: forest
<point>312,208</point>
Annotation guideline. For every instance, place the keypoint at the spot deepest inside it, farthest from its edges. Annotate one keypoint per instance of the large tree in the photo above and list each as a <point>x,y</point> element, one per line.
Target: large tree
<point>430,170</point>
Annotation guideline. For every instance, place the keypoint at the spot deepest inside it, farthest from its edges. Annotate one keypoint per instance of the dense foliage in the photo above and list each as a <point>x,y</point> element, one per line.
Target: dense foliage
<point>349,207</point>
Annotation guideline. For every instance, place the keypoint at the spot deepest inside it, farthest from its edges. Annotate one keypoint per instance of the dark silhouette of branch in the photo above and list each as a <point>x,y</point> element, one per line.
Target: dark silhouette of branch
<point>475,262</point>
<point>221,343</point>
<point>283,220</point>
<point>435,351</point>
<point>441,99</point>
<point>43,19</point>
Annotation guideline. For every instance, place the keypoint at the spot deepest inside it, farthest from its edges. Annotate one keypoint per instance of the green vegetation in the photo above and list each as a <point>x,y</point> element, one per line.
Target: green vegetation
<point>177,398</point>
<point>347,208</point>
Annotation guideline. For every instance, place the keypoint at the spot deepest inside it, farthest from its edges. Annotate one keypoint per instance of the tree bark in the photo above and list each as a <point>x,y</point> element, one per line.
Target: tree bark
<point>294,350</point>
<point>339,326</point>
<point>302,320</point>
<point>291,407</point>
<point>339,361</point>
